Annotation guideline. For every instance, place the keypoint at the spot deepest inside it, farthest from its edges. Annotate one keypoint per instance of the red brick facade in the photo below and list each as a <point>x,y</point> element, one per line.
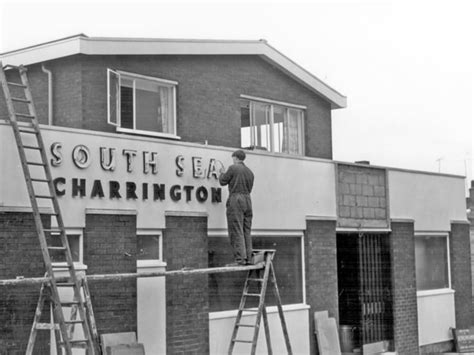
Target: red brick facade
<point>321,270</point>
<point>405,311</point>
<point>187,302</point>
<point>20,255</point>
<point>110,246</point>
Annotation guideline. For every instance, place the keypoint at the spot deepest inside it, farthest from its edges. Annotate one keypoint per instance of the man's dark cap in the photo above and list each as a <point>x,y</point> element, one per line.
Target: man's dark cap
<point>239,154</point>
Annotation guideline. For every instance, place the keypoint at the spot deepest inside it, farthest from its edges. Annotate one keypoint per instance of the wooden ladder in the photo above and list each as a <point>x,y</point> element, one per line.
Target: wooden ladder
<point>53,241</point>
<point>256,281</point>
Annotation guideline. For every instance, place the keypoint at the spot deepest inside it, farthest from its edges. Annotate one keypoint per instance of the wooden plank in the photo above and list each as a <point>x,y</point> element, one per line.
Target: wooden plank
<point>125,276</point>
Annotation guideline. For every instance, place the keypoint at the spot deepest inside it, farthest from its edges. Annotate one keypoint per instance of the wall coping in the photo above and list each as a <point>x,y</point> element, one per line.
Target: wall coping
<point>185,214</point>
<point>111,211</point>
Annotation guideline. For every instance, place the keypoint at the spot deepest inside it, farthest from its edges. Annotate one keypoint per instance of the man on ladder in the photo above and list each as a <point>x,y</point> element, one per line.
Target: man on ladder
<point>239,179</point>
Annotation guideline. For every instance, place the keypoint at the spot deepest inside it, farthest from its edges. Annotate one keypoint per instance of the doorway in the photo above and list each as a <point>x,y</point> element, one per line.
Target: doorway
<point>365,287</point>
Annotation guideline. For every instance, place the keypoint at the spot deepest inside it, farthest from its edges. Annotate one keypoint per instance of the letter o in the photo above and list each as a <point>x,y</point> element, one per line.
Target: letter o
<point>201,194</point>
<point>81,156</point>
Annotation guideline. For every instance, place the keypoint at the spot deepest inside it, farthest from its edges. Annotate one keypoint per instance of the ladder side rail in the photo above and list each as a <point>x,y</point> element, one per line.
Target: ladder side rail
<point>36,320</point>
<point>261,303</point>
<point>29,183</point>
<point>58,215</point>
<point>280,312</point>
<point>91,317</point>
<point>267,331</point>
<point>238,318</point>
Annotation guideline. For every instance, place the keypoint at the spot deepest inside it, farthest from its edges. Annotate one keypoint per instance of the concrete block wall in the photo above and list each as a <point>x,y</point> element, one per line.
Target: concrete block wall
<point>110,247</point>
<point>460,252</point>
<point>207,94</point>
<point>405,311</point>
<point>321,271</point>
<point>20,255</point>
<point>362,198</point>
<point>187,301</point>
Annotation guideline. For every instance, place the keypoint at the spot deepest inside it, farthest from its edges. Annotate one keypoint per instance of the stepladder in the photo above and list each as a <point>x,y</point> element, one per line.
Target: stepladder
<point>65,295</point>
<point>252,309</point>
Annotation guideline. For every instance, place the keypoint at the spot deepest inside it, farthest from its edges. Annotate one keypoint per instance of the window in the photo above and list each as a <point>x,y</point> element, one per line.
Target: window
<point>75,241</point>
<point>432,262</point>
<point>141,104</point>
<point>272,126</point>
<point>149,245</point>
<point>225,290</point>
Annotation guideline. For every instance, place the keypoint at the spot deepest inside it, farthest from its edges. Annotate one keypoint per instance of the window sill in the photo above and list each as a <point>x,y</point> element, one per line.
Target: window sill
<point>441,291</point>
<point>78,266</point>
<point>150,263</point>
<point>271,309</point>
<point>148,133</point>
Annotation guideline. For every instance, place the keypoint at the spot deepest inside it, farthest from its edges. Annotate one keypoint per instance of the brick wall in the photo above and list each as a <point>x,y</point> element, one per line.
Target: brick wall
<point>207,95</point>
<point>361,198</point>
<point>321,270</point>
<point>20,255</point>
<point>405,311</point>
<point>107,240</point>
<point>460,252</point>
<point>187,304</point>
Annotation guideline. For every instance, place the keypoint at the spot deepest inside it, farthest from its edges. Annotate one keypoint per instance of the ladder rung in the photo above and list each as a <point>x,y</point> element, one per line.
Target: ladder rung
<point>70,303</point>
<point>25,115</point>
<point>31,147</point>
<point>27,131</point>
<point>46,326</point>
<point>16,84</point>
<point>44,196</point>
<point>245,325</point>
<point>65,284</point>
<point>35,163</point>
<point>39,180</point>
<point>257,280</point>
<point>242,341</point>
<point>57,248</point>
<point>74,321</point>
<point>252,294</point>
<point>17,99</point>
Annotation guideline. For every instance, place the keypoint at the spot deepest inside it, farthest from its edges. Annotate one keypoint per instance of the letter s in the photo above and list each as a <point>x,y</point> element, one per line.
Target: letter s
<point>56,153</point>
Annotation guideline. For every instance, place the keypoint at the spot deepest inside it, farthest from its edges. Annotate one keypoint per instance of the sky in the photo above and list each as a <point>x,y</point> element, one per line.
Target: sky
<point>406,67</point>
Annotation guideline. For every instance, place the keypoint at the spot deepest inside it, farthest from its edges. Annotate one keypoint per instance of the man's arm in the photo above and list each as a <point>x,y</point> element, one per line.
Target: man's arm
<point>225,177</point>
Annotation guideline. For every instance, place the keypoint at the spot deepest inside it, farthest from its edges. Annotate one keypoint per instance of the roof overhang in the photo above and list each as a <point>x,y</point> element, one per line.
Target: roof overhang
<point>81,44</point>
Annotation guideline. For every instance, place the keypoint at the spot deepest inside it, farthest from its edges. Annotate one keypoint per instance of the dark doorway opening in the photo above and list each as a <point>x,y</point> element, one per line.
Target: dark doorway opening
<point>365,287</point>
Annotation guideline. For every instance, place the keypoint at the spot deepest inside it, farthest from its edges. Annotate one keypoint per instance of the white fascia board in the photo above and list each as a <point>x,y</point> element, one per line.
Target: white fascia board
<point>145,46</point>
<point>42,53</point>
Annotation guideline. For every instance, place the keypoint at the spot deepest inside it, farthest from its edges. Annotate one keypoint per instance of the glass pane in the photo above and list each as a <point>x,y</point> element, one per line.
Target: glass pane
<point>74,245</point>
<point>74,240</point>
<point>295,131</point>
<point>431,261</point>
<point>148,247</point>
<point>280,130</point>
<point>245,131</point>
<point>260,118</point>
<point>126,103</point>
<point>225,290</point>
<point>113,85</point>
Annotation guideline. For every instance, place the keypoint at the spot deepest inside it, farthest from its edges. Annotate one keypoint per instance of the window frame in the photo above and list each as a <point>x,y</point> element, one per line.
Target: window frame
<point>133,77</point>
<point>151,262</point>
<point>80,233</point>
<point>286,106</point>
<point>276,234</point>
<point>435,291</point>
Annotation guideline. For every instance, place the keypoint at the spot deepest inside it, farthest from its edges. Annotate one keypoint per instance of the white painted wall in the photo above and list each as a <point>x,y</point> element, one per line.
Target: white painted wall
<point>221,326</point>
<point>431,200</point>
<point>151,312</point>
<point>286,189</point>
<point>435,316</point>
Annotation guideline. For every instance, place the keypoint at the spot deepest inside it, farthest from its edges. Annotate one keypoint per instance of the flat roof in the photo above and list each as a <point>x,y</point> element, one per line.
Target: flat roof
<point>82,44</point>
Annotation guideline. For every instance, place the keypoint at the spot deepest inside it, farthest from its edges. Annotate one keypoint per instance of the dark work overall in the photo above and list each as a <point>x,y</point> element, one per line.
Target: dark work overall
<point>239,224</point>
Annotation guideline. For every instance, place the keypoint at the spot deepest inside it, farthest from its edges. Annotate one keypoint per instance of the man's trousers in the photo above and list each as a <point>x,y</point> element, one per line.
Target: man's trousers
<point>239,224</point>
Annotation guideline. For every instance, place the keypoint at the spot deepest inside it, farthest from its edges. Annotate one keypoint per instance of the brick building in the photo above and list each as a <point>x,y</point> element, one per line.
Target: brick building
<point>136,131</point>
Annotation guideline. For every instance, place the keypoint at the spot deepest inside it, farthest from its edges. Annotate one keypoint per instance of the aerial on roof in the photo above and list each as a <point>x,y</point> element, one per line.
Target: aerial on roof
<point>82,44</point>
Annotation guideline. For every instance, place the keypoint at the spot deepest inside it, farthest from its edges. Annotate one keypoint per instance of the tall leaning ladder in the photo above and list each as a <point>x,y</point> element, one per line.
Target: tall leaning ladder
<point>256,287</point>
<point>38,180</point>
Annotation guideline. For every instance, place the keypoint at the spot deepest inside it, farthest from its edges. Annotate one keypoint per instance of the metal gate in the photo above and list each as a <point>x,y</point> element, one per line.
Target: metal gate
<point>375,296</point>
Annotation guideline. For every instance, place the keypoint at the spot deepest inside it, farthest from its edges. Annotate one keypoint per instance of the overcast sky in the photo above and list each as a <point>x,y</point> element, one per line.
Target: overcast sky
<point>406,67</point>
